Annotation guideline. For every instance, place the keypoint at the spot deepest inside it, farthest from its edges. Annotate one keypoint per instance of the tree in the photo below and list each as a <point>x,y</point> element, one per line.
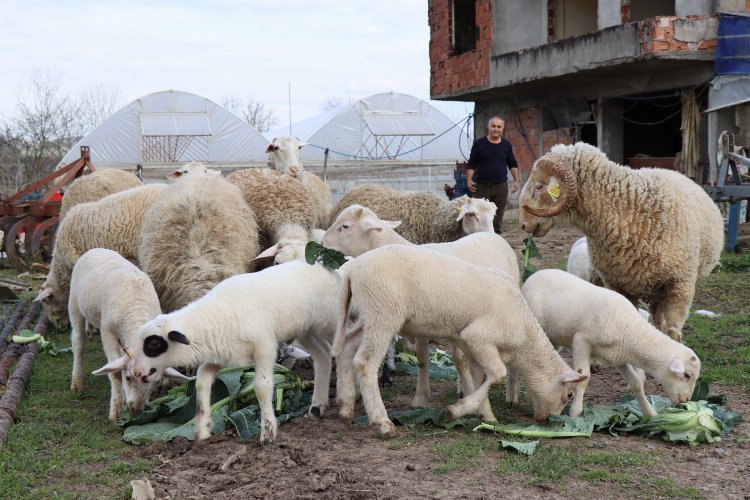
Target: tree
<point>47,125</point>
<point>253,112</point>
<point>331,102</point>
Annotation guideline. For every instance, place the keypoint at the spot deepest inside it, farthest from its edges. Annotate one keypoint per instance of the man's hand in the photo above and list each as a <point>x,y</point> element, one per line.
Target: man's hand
<point>471,185</point>
<point>516,185</point>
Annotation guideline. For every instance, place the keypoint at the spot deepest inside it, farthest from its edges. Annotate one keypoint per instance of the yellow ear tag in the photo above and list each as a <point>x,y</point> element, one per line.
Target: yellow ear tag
<point>458,209</point>
<point>554,191</point>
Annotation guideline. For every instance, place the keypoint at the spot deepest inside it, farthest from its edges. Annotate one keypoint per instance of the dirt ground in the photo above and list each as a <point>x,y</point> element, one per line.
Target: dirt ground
<point>327,458</point>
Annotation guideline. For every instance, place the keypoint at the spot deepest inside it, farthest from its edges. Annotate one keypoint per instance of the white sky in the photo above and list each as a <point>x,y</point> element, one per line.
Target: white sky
<point>243,48</point>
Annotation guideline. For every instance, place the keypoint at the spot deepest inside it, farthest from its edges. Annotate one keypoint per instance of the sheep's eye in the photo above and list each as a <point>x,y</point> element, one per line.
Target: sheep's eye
<point>129,378</point>
<point>570,395</point>
<point>687,376</point>
<point>344,226</point>
<point>276,148</point>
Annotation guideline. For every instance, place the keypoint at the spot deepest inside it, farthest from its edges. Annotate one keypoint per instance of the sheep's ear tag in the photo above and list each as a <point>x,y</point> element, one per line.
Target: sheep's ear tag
<point>554,191</point>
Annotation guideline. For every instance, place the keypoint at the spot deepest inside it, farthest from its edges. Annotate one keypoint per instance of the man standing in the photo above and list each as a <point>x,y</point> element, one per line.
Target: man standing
<point>487,169</point>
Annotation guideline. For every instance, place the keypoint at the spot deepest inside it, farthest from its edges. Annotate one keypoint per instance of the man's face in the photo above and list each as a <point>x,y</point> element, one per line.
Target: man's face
<point>495,128</point>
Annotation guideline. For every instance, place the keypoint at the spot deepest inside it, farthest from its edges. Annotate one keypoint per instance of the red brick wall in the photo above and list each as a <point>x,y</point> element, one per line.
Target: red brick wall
<point>624,11</point>
<point>657,35</point>
<point>526,142</point>
<point>450,73</point>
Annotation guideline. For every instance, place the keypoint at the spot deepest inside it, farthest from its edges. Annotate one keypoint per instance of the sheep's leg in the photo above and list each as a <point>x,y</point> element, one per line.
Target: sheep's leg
<point>263,384</point>
<point>203,382</point>
<point>78,343</point>
<point>346,383</point>
<point>676,308</point>
<point>582,364</point>
<point>635,378</point>
<point>512,387</point>
<point>422,397</point>
<point>111,348</point>
<point>388,375</point>
<point>477,376</point>
<point>321,357</point>
<point>488,357</point>
<point>465,380</point>
<point>372,349</point>
<point>656,309</point>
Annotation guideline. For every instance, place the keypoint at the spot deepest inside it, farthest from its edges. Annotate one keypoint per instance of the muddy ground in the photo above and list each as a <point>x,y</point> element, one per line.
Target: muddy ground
<point>327,458</point>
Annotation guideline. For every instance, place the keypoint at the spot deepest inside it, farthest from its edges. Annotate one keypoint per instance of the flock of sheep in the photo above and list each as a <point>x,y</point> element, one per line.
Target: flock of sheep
<point>168,273</point>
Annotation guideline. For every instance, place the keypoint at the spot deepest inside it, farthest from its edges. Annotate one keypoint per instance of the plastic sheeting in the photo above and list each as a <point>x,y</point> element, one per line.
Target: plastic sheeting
<point>171,126</point>
<point>382,126</point>
<point>727,91</point>
<point>733,44</point>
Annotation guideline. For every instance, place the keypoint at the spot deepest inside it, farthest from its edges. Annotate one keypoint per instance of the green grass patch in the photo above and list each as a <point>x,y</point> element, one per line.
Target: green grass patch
<point>665,487</point>
<point>63,445</point>
<point>553,464</point>
<point>461,453</point>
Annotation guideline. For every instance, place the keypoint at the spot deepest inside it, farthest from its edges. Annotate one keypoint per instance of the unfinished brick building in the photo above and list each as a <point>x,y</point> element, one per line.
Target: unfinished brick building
<point>633,77</point>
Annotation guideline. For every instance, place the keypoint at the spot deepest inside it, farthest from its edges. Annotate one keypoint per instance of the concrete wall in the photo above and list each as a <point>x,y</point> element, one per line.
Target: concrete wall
<point>609,129</point>
<point>693,7</point>
<point>518,25</point>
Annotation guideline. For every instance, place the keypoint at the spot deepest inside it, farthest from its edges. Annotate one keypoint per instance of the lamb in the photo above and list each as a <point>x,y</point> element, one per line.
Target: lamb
<point>651,233</point>
<point>197,233</point>
<point>243,319</point>
<point>95,186</point>
<point>598,323</point>
<point>283,206</point>
<point>192,169</point>
<point>116,302</point>
<point>114,222</point>
<point>396,284</point>
<point>425,218</point>
<point>283,156</point>
<point>358,229</point>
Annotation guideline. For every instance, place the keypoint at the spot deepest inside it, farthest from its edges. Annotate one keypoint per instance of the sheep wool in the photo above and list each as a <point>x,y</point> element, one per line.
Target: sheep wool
<point>425,217</point>
<point>95,186</point>
<point>114,222</point>
<point>199,232</point>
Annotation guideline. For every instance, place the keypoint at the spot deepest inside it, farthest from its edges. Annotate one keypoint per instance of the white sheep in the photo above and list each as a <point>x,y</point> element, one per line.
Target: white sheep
<point>114,222</point>
<point>192,169</point>
<point>358,229</point>
<point>95,186</point>
<point>197,233</point>
<point>598,323</point>
<point>396,286</point>
<point>425,217</point>
<point>650,232</point>
<point>111,294</point>
<point>579,263</point>
<point>284,156</point>
<point>243,319</point>
<point>283,206</point>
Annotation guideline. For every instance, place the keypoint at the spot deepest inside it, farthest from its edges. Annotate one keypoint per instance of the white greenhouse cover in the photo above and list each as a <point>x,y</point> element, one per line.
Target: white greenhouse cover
<point>171,127</point>
<point>382,126</point>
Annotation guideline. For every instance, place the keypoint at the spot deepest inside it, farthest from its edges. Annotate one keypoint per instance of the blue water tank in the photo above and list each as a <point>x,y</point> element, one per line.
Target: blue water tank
<point>733,44</point>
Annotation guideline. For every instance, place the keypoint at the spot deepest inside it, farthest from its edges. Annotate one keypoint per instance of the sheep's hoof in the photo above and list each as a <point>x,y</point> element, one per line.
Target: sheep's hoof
<point>346,414</point>
<point>316,411</point>
<point>76,388</point>
<point>675,334</point>
<point>388,430</point>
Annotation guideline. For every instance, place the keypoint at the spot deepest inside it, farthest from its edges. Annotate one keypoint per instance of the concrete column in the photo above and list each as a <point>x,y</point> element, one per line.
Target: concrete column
<point>693,7</point>
<point>608,13</point>
<point>609,129</point>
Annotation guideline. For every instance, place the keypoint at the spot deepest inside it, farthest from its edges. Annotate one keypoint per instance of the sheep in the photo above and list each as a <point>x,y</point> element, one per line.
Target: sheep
<point>243,319</point>
<point>114,296</point>
<point>283,156</point>
<point>283,206</point>
<point>397,285</point>
<point>650,232</point>
<point>95,186</point>
<point>598,323</point>
<point>358,229</point>
<point>198,232</point>
<point>192,169</point>
<point>114,222</point>
<point>425,218</point>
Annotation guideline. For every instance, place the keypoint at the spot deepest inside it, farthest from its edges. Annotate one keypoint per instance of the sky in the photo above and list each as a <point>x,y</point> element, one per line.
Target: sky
<point>272,51</point>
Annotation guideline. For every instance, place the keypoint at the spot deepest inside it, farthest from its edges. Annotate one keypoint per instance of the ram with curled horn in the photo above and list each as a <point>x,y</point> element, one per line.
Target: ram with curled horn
<point>651,232</point>
<point>551,190</point>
